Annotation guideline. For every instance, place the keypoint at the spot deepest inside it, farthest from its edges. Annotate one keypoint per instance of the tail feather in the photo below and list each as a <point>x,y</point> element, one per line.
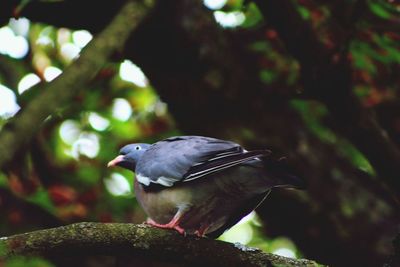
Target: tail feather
<point>282,174</point>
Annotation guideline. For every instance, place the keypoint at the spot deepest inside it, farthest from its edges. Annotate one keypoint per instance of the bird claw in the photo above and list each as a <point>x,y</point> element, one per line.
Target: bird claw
<point>199,234</point>
<point>180,230</point>
<point>171,225</point>
<point>202,231</point>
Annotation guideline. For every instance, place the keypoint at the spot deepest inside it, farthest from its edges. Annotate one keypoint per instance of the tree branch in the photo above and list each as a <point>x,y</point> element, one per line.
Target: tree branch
<point>55,94</point>
<point>139,241</point>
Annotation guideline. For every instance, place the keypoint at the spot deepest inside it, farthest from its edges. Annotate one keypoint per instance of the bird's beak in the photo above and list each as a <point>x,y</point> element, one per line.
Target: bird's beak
<point>115,161</point>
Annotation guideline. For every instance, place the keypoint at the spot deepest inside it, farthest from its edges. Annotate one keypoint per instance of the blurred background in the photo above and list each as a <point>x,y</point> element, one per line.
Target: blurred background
<point>216,68</point>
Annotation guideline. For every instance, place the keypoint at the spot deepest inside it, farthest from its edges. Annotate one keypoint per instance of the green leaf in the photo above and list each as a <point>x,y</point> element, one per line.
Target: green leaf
<point>304,12</point>
<point>253,16</point>
<point>267,76</point>
<point>260,46</point>
<point>42,199</point>
<point>379,10</point>
<point>313,114</point>
<point>3,181</point>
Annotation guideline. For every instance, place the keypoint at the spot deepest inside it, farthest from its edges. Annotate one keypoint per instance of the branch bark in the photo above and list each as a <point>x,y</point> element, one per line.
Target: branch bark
<point>115,239</point>
<point>55,94</point>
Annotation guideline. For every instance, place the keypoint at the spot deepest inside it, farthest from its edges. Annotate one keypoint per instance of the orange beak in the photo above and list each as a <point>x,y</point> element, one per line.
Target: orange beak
<point>115,161</point>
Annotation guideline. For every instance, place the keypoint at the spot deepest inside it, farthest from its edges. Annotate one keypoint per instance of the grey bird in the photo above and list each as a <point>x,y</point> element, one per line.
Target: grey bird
<point>201,185</point>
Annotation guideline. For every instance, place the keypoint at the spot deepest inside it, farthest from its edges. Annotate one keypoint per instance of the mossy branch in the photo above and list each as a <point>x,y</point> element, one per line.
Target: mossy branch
<point>138,240</point>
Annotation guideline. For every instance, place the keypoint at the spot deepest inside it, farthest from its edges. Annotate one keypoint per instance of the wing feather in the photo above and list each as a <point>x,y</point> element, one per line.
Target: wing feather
<point>219,163</point>
<point>186,158</point>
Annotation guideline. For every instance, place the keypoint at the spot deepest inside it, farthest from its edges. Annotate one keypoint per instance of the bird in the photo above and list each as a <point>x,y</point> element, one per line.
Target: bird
<point>201,185</point>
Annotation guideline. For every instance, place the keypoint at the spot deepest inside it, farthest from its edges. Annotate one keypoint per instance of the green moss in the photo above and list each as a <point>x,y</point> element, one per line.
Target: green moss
<point>19,261</point>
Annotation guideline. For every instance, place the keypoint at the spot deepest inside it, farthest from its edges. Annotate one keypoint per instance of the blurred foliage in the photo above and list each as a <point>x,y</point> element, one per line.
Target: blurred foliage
<point>27,262</point>
<point>78,141</point>
<point>66,175</point>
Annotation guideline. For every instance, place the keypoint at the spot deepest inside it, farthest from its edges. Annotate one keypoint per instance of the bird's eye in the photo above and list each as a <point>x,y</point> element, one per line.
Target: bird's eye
<point>137,147</point>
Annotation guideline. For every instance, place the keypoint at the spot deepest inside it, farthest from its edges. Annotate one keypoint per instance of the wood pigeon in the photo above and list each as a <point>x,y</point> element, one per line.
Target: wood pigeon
<point>200,185</point>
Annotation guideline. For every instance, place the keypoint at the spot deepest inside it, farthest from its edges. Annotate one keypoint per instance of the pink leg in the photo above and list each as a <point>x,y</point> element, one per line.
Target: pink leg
<point>173,224</point>
<point>201,232</point>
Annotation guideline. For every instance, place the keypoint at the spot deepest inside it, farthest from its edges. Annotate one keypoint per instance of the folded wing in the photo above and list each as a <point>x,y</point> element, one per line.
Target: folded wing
<point>186,158</point>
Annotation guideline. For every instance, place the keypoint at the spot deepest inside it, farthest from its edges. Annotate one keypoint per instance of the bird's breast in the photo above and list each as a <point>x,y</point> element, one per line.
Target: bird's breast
<point>162,204</point>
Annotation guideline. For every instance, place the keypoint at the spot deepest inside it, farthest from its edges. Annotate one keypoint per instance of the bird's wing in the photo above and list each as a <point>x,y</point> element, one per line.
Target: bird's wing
<point>185,158</point>
<point>218,163</point>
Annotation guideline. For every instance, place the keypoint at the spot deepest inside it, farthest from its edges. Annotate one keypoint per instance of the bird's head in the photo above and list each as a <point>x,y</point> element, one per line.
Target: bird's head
<point>129,155</point>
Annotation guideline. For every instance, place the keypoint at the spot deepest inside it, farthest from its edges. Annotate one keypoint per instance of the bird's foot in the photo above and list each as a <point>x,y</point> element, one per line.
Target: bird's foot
<point>171,225</point>
<point>201,232</point>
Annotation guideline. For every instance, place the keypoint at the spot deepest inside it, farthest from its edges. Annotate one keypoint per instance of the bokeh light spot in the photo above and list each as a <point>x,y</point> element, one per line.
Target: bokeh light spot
<point>285,252</point>
<point>229,19</point>
<point>69,131</point>
<point>214,4</point>
<point>87,144</point>
<point>248,218</point>
<point>117,185</point>
<point>131,73</point>
<point>44,41</point>
<point>20,26</point>
<point>11,44</point>
<point>63,36</point>
<point>8,102</point>
<point>70,51</point>
<point>81,38</point>
<point>50,73</point>
<point>98,122</point>
<point>45,37</point>
<point>27,82</point>
<point>121,109</point>
<point>241,233</point>
<point>19,47</point>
